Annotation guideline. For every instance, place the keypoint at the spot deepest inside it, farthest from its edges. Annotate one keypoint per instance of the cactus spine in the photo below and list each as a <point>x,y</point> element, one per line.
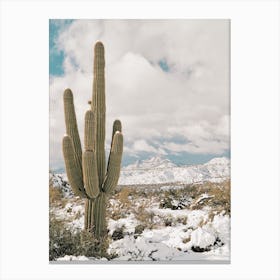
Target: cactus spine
<point>86,171</point>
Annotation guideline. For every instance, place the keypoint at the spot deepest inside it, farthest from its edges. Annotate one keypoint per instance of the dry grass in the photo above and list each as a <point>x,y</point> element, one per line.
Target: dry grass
<point>124,197</point>
<point>55,195</point>
<point>63,241</point>
<point>218,200</point>
<point>146,218</point>
<point>221,200</point>
<point>219,197</point>
<point>138,200</point>
<point>186,240</point>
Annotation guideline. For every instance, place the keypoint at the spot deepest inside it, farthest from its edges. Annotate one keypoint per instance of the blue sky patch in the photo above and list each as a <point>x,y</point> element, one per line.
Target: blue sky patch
<point>184,158</point>
<point>164,65</point>
<point>56,56</point>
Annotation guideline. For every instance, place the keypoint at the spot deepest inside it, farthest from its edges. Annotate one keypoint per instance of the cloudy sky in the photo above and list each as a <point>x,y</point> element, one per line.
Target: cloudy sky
<point>166,80</point>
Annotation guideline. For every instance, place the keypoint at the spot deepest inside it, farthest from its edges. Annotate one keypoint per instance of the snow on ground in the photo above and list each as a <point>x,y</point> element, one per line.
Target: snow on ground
<point>73,258</point>
<point>197,239</point>
<point>72,213</point>
<point>178,242</point>
<point>60,180</point>
<point>183,234</point>
<point>129,223</point>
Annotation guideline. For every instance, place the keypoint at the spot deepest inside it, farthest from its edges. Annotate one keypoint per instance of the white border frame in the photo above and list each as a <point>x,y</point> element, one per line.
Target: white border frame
<point>254,138</point>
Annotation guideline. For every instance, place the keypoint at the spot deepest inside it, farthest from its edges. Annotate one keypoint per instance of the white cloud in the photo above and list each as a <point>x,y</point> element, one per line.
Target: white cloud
<point>143,146</point>
<point>190,101</point>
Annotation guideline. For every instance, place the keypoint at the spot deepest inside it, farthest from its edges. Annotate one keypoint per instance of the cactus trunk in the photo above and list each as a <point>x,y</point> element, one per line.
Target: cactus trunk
<point>87,172</point>
<point>99,213</point>
<point>99,108</point>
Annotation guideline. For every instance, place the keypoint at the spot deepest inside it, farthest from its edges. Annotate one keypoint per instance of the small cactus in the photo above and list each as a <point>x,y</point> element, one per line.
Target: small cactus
<point>86,171</point>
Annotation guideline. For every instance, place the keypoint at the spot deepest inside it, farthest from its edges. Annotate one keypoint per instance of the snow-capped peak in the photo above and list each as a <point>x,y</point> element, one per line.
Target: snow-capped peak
<point>160,170</point>
<point>218,161</point>
<point>151,163</point>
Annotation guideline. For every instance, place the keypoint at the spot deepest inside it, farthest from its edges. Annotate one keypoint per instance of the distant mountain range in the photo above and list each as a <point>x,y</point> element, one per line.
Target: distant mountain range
<point>158,170</point>
<point>153,162</point>
<point>161,170</point>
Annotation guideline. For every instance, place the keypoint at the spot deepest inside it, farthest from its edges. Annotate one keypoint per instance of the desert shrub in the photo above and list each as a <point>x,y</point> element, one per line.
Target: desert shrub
<point>182,220</point>
<point>146,218</point>
<point>218,200</point>
<point>179,198</point>
<point>221,197</point>
<point>55,195</point>
<point>139,229</point>
<point>168,221</point>
<point>118,233</point>
<point>64,241</point>
<point>89,246</point>
<point>166,203</point>
<point>61,240</point>
<point>124,196</point>
<point>192,191</point>
<point>175,204</point>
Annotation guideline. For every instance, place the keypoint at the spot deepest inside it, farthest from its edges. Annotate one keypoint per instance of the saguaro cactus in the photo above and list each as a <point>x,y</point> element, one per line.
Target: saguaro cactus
<point>86,171</point>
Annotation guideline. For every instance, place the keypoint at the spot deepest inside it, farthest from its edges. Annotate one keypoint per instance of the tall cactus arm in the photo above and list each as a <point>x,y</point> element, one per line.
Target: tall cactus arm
<point>99,108</point>
<point>90,174</point>
<point>71,126</point>
<point>89,131</point>
<point>74,174</point>
<point>117,126</point>
<point>114,163</point>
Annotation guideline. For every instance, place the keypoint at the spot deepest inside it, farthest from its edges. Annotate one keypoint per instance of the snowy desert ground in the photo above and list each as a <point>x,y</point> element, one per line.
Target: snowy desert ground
<point>159,212</point>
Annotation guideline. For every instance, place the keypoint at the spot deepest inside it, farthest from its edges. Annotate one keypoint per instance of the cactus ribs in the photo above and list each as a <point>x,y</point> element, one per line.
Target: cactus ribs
<point>86,171</point>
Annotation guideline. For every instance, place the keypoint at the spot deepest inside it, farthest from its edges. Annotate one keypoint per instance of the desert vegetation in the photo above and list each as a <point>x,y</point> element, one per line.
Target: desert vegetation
<point>134,212</point>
